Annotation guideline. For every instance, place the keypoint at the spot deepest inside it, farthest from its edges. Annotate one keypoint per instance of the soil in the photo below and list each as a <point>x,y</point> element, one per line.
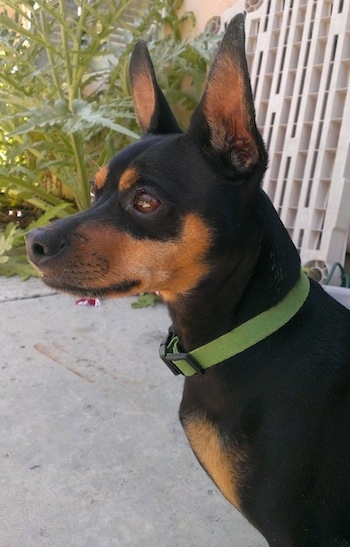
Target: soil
<point>22,216</point>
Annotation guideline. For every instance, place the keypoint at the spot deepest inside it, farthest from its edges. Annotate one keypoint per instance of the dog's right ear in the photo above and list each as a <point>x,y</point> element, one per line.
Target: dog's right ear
<point>224,121</point>
<point>152,110</point>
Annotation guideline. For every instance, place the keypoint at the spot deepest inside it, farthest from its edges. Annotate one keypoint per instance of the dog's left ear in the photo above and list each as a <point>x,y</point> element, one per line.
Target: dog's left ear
<point>224,121</point>
<point>152,110</point>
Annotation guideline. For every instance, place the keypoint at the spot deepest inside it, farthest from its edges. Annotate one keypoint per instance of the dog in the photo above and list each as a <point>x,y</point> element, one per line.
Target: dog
<point>265,352</point>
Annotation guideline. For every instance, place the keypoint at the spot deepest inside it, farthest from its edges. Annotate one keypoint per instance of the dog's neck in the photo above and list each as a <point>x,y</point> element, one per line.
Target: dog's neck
<point>239,287</point>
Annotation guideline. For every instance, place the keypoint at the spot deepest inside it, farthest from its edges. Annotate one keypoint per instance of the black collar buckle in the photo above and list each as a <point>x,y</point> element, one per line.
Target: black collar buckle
<point>170,358</point>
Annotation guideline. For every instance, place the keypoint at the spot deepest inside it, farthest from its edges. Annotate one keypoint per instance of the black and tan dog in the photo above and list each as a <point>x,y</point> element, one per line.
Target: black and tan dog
<point>266,402</point>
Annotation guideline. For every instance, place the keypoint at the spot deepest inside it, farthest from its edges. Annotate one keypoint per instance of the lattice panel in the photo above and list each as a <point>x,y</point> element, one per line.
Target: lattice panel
<point>299,59</point>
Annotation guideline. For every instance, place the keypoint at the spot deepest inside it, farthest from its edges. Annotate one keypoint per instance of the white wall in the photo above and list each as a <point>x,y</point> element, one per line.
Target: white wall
<point>205,9</point>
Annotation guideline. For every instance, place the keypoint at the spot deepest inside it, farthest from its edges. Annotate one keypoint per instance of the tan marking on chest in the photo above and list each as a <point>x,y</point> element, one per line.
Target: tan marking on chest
<point>222,465</point>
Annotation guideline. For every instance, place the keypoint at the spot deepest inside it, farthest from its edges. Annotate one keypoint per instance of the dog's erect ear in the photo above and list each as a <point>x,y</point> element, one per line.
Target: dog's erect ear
<point>224,121</point>
<point>152,110</point>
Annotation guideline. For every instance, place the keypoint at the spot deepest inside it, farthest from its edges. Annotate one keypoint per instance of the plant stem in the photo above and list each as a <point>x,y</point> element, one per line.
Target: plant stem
<point>58,86</point>
<point>66,55</point>
<point>77,71</point>
<point>83,195</point>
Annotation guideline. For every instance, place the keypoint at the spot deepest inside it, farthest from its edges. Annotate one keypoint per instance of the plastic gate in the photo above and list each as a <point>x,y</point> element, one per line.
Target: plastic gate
<point>299,59</point>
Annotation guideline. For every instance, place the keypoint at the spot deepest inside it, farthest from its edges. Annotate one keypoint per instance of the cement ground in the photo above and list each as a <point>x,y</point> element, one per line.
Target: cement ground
<point>91,450</point>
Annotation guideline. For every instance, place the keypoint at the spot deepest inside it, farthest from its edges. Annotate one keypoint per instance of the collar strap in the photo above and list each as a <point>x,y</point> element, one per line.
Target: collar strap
<point>237,340</point>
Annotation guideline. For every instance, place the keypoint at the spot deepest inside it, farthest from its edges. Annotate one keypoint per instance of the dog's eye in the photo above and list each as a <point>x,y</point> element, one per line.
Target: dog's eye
<point>145,203</point>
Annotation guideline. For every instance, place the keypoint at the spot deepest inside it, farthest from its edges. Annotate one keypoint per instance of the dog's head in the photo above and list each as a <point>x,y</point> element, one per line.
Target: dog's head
<point>165,206</point>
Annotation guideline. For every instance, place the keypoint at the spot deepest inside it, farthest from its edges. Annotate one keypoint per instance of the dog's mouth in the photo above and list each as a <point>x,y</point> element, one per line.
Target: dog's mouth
<point>124,288</point>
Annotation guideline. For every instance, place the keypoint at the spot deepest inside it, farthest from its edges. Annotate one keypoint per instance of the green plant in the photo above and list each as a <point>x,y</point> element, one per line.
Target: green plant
<point>65,105</point>
<point>146,300</point>
<point>13,260</point>
<point>6,242</point>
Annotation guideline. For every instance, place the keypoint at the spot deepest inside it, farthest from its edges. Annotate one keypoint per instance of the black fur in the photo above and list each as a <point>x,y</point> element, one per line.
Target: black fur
<point>282,406</point>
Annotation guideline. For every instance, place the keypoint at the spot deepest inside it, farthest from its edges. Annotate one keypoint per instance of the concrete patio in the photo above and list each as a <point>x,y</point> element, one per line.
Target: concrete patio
<point>92,453</point>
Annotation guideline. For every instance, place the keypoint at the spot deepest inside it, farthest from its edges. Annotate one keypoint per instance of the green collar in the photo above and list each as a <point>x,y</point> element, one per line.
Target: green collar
<point>237,340</point>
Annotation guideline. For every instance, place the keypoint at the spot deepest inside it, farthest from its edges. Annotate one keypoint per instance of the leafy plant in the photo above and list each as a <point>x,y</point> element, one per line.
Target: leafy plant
<point>65,105</point>
<point>6,241</point>
<point>12,257</point>
<point>145,300</point>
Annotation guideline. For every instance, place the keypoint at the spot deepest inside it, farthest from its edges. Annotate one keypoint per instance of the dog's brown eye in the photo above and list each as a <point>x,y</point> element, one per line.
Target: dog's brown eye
<point>145,203</point>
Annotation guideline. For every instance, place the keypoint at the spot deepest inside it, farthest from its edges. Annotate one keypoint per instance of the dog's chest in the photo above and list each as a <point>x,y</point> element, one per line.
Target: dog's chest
<point>223,464</point>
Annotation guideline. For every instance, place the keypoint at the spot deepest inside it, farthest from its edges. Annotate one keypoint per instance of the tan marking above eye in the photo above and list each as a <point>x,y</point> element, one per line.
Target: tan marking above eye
<point>100,177</point>
<point>128,178</point>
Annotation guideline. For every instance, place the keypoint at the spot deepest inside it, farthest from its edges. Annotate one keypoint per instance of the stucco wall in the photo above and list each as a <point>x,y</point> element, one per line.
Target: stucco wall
<point>205,9</point>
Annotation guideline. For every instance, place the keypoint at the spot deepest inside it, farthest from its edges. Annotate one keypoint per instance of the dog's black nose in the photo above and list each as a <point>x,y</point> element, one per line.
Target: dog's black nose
<point>43,243</point>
